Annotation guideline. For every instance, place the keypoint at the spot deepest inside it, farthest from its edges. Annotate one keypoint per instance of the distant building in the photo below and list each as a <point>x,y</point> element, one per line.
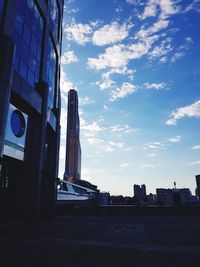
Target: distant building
<point>174,196</point>
<point>197,191</point>
<point>73,147</point>
<point>139,192</point>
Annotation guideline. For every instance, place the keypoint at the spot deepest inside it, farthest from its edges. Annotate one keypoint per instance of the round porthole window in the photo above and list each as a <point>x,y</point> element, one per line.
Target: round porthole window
<point>17,123</point>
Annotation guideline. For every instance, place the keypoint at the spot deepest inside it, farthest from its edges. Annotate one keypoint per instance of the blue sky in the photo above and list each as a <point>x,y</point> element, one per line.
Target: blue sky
<point>136,67</point>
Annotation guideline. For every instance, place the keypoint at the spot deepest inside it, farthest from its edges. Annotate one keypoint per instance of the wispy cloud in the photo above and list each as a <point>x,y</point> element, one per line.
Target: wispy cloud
<point>124,90</point>
<point>175,139</point>
<point>157,145</point>
<point>69,57</point>
<point>192,110</point>
<point>85,101</point>
<point>112,146</point>
<point>119,55</point>
<point>106,81</point>
<point>160,145</point>
<point>93,127</point>
<point>123,128</point>
<point>197,147</point>
<point>165,8</point>
<point>197,162</point>
<point>155,86</point>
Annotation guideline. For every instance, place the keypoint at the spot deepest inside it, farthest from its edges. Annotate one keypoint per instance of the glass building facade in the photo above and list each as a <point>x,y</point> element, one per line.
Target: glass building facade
<point>30,50</point>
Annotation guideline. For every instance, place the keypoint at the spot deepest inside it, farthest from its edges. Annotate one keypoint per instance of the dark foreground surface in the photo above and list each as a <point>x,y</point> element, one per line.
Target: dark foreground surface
<point>102,240</point>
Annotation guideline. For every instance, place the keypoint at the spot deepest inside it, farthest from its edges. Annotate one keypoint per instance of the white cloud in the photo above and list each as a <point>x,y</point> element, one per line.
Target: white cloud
<point>190,111</point>
<point>93,127</point>
<point>112,146</point>
<point>161,50</point>
<point>197,162</point>
<point>105,83</point>
<point>65,84</point>
<point>111,33</point>
<point>195,5</point>
<point>164,7</point>
<point>175,139</point>
<point>155,86</point>
<point>123,128</point>
<point>150,10</point>
<point>118,56</point>
<point>124,90</point>
<point>197,147</point>
<point>85,101</point>
<point>69,57</point>
<point>157,145</point>
<point>79,33</point>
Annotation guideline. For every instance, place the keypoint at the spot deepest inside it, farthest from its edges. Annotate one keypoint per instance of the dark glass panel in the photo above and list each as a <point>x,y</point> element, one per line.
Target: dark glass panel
<point>19,24</point>
<point>34,45</point>
<point>23,69</point>
<point>26,34</point>
<point>16,63</point>
<point>31,77</point>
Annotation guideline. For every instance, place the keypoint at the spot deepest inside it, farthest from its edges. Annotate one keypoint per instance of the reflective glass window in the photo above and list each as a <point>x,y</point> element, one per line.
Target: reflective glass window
<point>33,45</point>
<point>51,70</point>
<point>30,4</point>
<point>18,24</point>
<point>30,77</point>
<point>23,69</point>
<point>54,13</point>
<point>28,39</point>
<point>16,63</point>
<point>26,34</point>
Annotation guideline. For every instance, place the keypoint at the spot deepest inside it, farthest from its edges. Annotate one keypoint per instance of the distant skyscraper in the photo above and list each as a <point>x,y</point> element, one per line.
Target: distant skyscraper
<point>73,148</point>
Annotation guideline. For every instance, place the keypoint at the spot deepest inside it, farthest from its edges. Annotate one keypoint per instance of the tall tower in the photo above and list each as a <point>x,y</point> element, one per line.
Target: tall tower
<point>30,51</point>
<point>73,148</point>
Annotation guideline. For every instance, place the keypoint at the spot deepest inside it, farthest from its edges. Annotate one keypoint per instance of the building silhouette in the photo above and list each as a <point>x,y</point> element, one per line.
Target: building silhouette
<point>174,196</point>
<point>198,186</point>
<point>73,148</point>
<point>30,49</point>
<point>139,192</point>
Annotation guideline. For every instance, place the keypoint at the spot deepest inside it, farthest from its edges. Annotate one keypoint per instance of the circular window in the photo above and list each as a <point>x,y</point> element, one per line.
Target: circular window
<point>17,123</point>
